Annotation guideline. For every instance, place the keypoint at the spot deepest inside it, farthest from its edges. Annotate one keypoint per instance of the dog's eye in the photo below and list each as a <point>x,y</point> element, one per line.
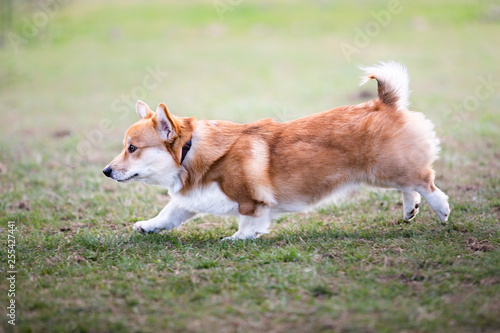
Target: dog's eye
<point>132,148</point>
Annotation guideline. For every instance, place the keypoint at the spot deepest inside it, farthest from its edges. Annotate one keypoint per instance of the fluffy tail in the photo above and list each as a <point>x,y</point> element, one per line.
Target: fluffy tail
<point>393,83</point>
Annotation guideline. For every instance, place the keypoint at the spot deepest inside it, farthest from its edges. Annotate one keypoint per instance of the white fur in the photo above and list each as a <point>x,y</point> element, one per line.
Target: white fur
<point>337,195</point>
<point>156,167</point>
<point>394,77</point>
<point>208,199</point>
<point>142,109</point>
<point>438,202</point>
<point>305,203</point>
<point>422,129</point>
<point>411,202</point>
<point>171,216</point>
<point>252,227</point>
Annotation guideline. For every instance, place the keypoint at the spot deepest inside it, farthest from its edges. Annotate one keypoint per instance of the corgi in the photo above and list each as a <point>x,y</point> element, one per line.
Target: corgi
<point>263,169</point>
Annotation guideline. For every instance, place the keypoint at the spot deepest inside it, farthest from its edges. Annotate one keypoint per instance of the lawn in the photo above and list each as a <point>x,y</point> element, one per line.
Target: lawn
<point>68,86</point>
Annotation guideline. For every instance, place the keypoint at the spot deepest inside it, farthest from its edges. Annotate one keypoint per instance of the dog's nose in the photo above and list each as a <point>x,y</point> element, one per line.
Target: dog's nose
<point>107,171</point>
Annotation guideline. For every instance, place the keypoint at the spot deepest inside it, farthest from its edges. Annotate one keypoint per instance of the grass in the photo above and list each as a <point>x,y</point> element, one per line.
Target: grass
<point>352,267</point>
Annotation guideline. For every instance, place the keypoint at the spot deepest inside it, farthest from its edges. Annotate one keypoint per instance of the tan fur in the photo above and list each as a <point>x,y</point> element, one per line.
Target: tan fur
<point>309,158</point>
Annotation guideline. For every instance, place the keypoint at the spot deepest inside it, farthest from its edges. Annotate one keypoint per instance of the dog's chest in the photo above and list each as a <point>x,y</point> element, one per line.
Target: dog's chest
<point>209,199</point>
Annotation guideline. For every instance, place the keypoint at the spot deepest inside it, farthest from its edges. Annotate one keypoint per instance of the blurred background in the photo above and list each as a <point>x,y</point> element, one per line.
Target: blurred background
<point>71,71</point>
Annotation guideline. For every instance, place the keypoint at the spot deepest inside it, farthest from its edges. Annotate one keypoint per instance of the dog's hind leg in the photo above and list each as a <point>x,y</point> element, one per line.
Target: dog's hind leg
<point>433,195</point>
<point>423,185</point>
<point>437,200</point>
<point>251,227</point>
<point>411,202</point>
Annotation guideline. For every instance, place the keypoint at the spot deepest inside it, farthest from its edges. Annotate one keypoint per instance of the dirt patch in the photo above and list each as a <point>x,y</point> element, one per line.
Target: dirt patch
<point>109,188</point>
<point>61,134</point>
<point>334,256</point>
<point>496,209</point>
<point>467,187</point>
<point>415,278</point>
<point>476,245</point>
<point>24,205</point>
<point>78,258</point>
<point>490,281</point>
<point>387,278</point>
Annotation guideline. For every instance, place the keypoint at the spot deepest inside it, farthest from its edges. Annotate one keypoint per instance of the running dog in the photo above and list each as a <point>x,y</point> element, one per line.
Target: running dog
<point>260,170</point>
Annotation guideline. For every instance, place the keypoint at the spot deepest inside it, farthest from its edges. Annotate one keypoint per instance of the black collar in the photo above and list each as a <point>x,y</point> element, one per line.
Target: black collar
<point>185,150</point>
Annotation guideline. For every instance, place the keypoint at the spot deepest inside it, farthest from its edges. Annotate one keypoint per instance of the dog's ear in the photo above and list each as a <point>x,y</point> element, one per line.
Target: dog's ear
<point>143,110</point>
<point>165,124</point>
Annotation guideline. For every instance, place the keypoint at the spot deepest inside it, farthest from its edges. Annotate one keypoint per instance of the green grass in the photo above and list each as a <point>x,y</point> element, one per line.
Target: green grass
<point>353,267</point>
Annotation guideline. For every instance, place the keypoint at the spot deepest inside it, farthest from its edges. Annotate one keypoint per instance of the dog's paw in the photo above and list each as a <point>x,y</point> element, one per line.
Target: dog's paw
<point>138,228</point>
<point>444,213</point>
<point>143,227</point>
<point>239,236</point>
<point>411,214</point>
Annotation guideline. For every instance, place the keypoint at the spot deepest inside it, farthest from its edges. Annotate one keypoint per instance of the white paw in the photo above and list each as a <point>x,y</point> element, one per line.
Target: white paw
<point>239,236</point>
<point>144,227</point>
<point>444,213</point>
<point>439,204</point>
<point>411,214</point>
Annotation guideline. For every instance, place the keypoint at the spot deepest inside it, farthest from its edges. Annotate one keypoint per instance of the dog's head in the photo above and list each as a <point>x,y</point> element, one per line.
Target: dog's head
<point>152,148</point>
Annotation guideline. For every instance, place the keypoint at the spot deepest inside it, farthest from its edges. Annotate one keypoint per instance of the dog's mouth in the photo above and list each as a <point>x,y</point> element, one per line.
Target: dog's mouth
<point>127,179</point>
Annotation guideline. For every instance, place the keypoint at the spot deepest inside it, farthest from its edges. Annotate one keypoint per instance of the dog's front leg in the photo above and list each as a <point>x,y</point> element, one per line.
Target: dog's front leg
<point>251,227</point>
<point>171,216</point>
